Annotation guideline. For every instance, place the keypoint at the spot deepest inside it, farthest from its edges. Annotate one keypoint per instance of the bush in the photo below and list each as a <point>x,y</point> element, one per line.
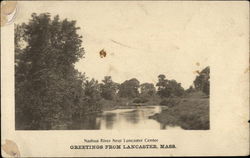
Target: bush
<point>192,114</point>
<point>164,102</point>
<point>168,102</point>
<point>140,100</point>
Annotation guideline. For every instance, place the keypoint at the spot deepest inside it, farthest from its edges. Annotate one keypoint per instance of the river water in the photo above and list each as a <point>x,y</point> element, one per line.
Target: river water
<point>131,118</point>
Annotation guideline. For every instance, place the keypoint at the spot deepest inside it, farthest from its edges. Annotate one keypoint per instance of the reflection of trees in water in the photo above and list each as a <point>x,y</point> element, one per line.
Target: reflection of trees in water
<point>166,126</point>
<point>163,126</point>
<point>86,122</point>
<point>98,123</point>
<point>109,119</point>
<point>170,121</point>
<point>132,116</point>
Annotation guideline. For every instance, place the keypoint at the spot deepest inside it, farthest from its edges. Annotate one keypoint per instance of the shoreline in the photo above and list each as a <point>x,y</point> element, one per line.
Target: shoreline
<point>189,114</point>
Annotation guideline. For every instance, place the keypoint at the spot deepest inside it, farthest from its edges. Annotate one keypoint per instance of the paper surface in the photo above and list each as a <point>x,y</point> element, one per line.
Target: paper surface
<point>143,39</point>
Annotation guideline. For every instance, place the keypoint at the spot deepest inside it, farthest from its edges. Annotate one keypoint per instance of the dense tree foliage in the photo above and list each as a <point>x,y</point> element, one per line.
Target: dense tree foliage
<point>108,88</point>
<point>129,88</point>
<point>147,89</point>
<point>48,89</point>
<point>190,89</point>
<point>202,81</point>
<point>92,95</point>
<point>169,88</point>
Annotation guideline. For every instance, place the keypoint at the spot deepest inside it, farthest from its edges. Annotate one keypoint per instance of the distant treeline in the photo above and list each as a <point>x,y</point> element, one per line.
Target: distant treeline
<point>49,90</point>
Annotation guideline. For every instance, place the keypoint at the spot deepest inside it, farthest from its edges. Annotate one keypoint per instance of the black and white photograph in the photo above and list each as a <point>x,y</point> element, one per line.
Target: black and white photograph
<point>124,78</point>
<point>131,72</point>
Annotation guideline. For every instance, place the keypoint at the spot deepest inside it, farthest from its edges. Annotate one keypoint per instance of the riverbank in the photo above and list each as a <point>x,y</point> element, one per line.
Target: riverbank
<point>191,113</point>
<point>121,103</point>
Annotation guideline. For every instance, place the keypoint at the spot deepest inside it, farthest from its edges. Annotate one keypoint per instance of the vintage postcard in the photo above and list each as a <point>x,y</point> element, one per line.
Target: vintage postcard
<point>124,78</point>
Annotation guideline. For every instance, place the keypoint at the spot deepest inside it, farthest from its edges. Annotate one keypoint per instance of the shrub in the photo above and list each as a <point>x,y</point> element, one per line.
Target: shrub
<point>164,102</point>
<point>140,100</point>
<point>168,102</point>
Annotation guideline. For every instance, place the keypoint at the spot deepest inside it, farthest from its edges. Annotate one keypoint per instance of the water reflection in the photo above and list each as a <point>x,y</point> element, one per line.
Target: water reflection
<point>109,120</point>
<point>89,122</point>
<point>131,118</point>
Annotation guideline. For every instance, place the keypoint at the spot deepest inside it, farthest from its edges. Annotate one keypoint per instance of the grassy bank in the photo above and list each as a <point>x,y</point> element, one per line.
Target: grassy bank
<point>126,103</point>
<point>190,113</point>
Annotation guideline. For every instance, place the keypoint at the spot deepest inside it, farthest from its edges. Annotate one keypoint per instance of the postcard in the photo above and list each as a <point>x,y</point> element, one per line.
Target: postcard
<point>124,78</point>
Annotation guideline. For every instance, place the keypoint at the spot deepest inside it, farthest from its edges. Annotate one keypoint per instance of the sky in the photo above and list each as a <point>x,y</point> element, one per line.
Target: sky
<point>144,39</point>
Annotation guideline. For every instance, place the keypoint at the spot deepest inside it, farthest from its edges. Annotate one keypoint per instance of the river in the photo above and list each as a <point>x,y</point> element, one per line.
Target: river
<point>136,117</point>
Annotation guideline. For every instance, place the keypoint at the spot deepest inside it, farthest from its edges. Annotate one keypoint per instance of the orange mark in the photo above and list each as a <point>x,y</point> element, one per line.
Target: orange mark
<point>102,53</point>
<point>11,148</point>
<point>7,8</point>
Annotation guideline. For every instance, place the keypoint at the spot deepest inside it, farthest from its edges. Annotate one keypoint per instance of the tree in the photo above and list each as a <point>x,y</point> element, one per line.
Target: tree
<point>108,88</point>
<point>169,88</point>
<point>129,88</point>
<point>202,82</point>
<point>47,87</point>
<point>174,88</point>
<point>147,89</point>
<point>162,82</point>
<point>93,95</point>
<point>190,89</point>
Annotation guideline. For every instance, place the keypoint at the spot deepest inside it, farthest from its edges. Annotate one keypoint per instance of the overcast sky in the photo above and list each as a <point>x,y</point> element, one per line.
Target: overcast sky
<point>145,39</point>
